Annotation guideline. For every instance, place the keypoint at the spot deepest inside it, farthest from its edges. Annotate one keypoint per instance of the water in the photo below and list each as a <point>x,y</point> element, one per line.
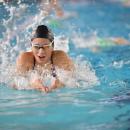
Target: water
<point>102,102</point>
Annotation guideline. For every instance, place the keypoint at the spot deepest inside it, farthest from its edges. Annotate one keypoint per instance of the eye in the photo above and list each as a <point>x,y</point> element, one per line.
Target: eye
<point>37,47</point>
<point>46,46</point>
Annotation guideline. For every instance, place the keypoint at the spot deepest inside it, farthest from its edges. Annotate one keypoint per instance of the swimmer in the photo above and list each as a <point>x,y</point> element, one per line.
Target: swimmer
<point>4,0</point>
<point>103,43</point>
<point>119,40</point>
<point>97,44</point>
<point>53,4</point>
<point>126,3</point>
<point>57,8</point>
<point>44,56</point>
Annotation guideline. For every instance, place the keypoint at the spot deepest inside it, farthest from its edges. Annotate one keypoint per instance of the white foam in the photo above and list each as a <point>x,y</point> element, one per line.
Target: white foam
<point>82,41</point>
<point>83,76</point>
<point>61,43</point>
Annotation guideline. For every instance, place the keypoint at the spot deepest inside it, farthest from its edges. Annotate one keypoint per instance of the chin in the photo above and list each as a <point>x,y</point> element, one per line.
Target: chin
<point>41,61</point>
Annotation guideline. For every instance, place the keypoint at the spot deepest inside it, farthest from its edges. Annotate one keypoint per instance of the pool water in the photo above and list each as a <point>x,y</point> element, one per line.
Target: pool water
<point>105,105</point>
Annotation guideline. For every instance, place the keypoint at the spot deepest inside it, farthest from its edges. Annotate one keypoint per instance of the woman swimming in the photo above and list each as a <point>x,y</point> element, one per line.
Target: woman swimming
<point>43,56</point>
<point>50,5</point>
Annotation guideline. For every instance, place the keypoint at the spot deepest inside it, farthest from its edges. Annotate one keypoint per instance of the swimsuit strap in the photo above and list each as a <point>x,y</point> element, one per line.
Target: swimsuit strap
<point>34,63</point>
<point>53,69</point>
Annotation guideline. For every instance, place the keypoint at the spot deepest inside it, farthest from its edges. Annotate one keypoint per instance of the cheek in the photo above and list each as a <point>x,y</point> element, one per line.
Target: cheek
<point>34,52</point>
<point>49,53</point>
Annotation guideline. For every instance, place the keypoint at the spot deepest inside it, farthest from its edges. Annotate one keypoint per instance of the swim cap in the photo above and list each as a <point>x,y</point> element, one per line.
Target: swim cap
<point>43,31</point>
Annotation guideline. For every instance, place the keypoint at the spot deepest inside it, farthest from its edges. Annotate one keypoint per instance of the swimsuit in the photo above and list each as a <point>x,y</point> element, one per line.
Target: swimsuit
<point>53,69</point>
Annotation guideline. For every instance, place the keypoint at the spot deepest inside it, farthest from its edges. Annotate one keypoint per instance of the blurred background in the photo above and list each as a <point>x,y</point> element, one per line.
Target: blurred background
<point>96,34</point>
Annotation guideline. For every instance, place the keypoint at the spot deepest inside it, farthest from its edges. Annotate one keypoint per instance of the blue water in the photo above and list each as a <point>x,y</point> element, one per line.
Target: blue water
<point>102,107</point>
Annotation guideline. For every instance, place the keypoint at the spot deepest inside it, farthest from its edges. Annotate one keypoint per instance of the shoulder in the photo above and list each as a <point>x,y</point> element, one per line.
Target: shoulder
<point>59,53</point>
<point>25,57</point>
<point>62,60</point>
<point>25,61</point>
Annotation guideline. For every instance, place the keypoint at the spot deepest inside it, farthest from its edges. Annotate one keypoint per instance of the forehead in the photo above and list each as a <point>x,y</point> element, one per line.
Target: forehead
<point>41,40</point>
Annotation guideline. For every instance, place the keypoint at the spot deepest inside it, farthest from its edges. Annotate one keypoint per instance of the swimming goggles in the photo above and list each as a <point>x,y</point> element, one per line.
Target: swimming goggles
<point>38,46</point>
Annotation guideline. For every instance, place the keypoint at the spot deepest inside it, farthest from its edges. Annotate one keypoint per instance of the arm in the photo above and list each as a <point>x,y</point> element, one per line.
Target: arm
<point>56,6</point>
<point>119,40</point>
<point>25,63</point>
<point>62,61</point>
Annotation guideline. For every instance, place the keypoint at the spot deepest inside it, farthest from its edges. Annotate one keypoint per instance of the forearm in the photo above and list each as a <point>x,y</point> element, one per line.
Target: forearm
<point>57,7</point>
<point>56,84</point>
<point>38,85</point>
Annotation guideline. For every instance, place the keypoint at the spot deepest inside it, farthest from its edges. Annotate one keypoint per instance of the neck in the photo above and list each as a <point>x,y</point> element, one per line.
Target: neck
<point>44,64</point>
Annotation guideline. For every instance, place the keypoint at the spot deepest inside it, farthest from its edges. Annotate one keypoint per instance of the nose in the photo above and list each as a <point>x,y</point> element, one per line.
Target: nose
<point>41,51</point>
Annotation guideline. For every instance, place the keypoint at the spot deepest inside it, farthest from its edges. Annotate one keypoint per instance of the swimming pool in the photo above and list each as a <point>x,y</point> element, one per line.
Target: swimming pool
<point>100,106</point>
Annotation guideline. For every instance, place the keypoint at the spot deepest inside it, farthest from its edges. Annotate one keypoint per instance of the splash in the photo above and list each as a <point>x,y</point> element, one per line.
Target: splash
<point>17,35</point>
<point>83,76</point>
<point>96,43</point>
<point>62,43</point>
<point>80,40</point>
<point>17,38</point>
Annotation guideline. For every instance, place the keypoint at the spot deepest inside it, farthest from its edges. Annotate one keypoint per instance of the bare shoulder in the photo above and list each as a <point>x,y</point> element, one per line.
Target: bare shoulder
<point>62,60</point>
<point>25,57</point>
<point>25,61</point>
<point>59,53</point>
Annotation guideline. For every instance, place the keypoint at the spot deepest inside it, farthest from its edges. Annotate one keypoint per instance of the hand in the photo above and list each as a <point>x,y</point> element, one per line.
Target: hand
<point>59,13</point>
<point>46,89</point>
<point>38,85</point>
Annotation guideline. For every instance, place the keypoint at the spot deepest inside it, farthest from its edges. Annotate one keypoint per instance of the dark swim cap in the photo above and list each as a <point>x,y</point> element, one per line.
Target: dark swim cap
<point>43,31</point>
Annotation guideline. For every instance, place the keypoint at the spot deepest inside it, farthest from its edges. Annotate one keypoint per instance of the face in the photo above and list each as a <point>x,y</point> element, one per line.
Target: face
<point>42,50</point>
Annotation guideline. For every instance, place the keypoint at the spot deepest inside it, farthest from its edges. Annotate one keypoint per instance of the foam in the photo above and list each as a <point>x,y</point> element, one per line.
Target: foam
<point>16,38</point>
<point>83,76</point>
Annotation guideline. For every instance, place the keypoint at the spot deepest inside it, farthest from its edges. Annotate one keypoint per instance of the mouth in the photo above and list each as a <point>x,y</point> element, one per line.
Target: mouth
<point>41,57</point>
